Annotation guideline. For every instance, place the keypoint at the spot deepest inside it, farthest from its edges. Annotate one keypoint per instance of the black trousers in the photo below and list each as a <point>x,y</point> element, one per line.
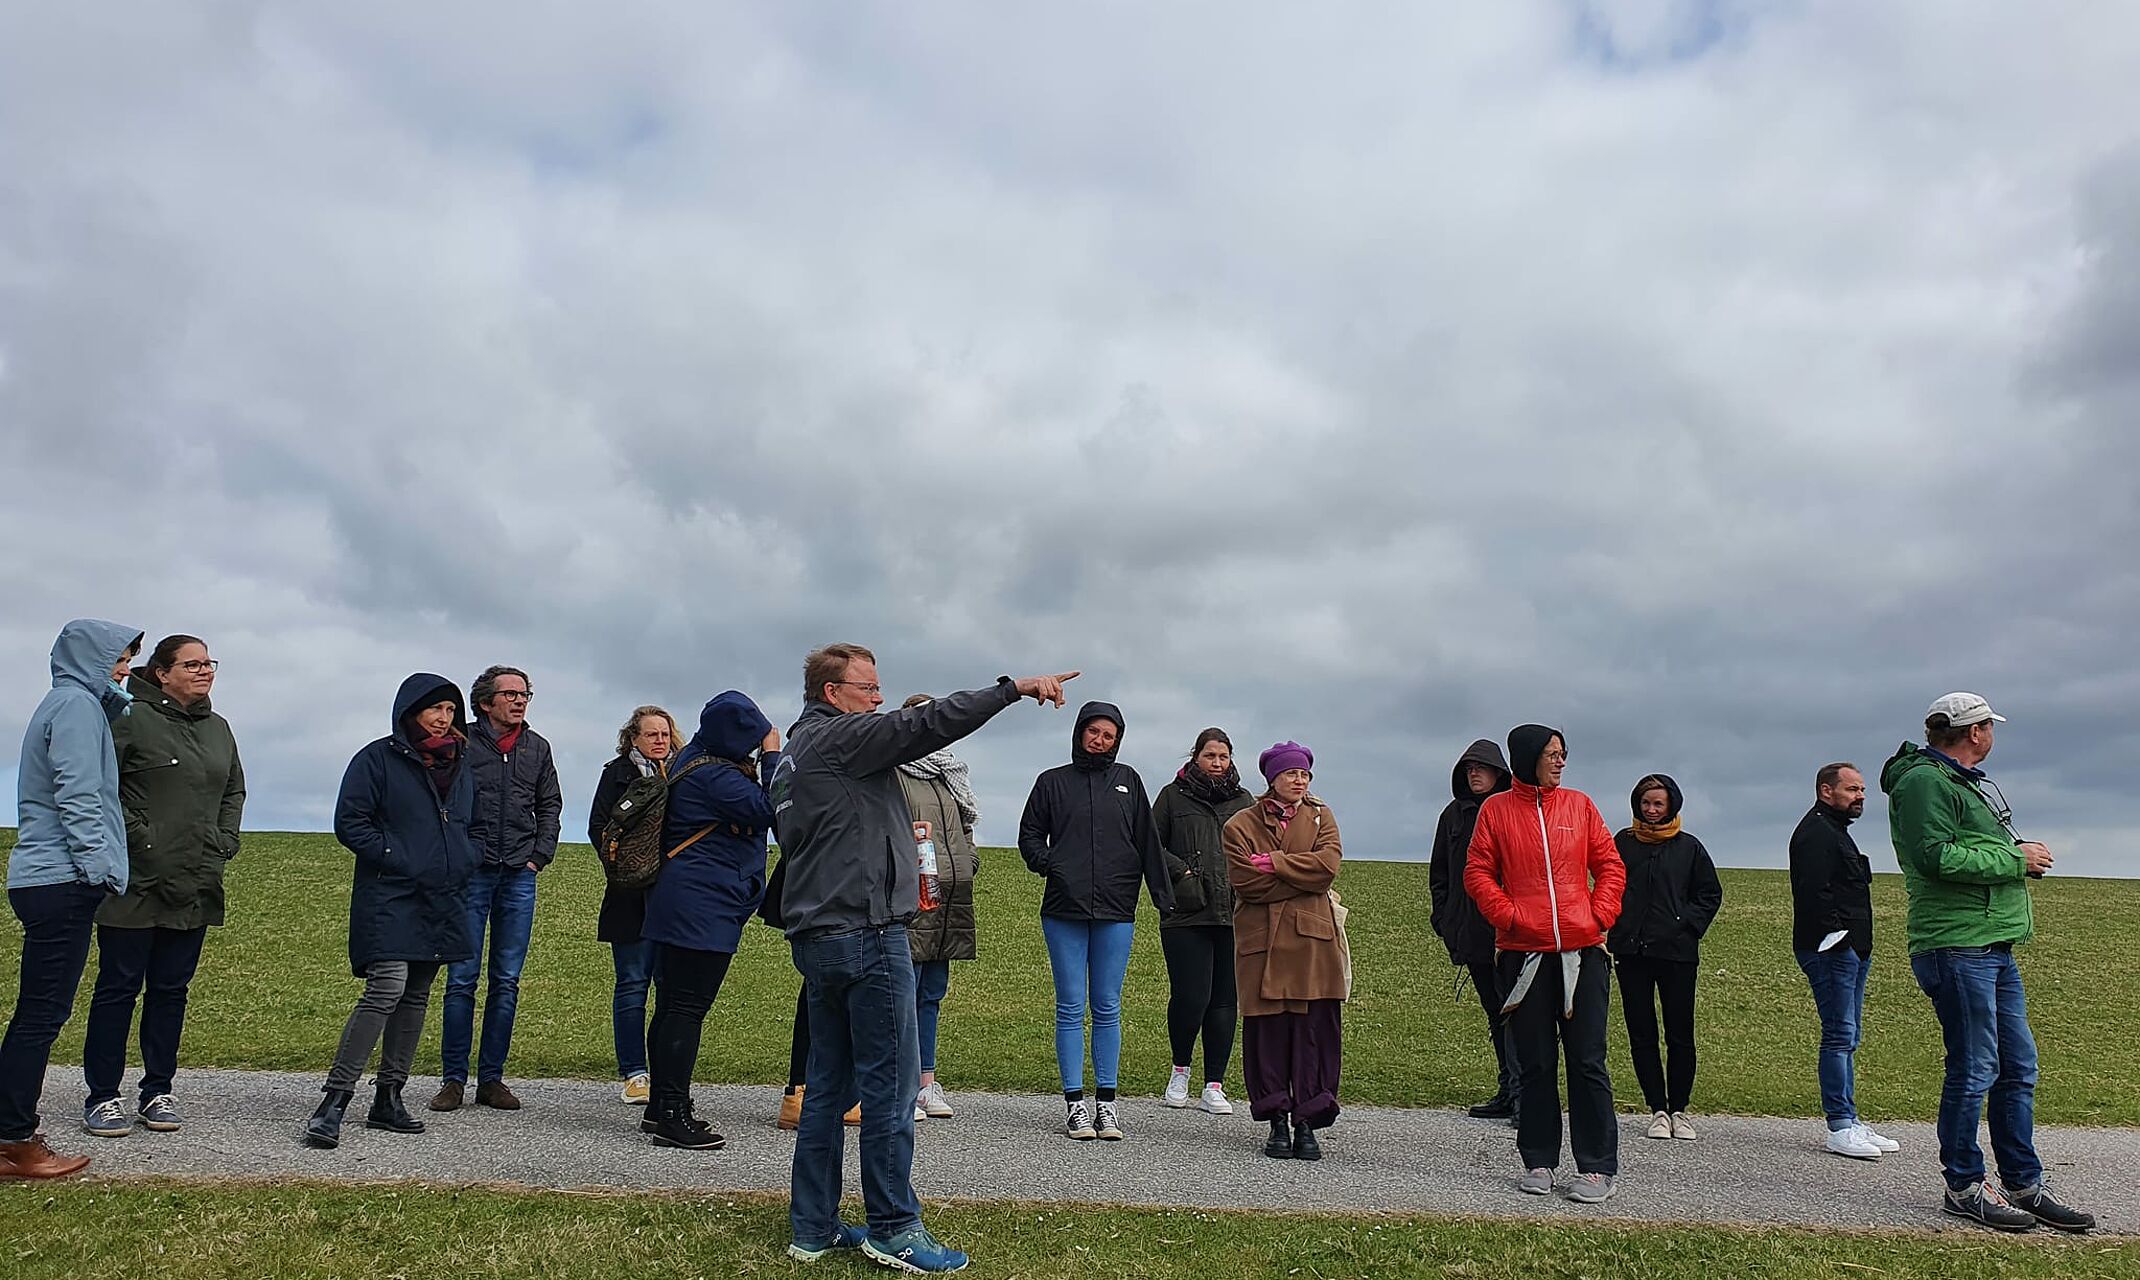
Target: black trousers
<point>1487,983</point>
<point>685,984</point>
<point>1202,1000</point>
<point>157,966</point>
<point>1543,1037</point>
<point>1644,985</point>
<point>57,924</point>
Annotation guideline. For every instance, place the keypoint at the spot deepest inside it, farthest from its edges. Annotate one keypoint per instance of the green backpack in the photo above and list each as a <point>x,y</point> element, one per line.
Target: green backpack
<point>631,849</point>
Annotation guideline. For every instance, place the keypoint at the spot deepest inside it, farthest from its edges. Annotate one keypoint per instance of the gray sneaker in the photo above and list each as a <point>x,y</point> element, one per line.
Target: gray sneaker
<point>1536,1182</point>
<point>160,1114</point>
<point>1591,1188</point>
<point>106,1119</point>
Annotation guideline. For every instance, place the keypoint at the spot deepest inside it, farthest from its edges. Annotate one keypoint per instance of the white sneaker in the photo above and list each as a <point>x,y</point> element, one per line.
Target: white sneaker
<point>1880,1140</point>
<point>1077,1120</point>
<point>934,1102</point>
<point>921,1112</point>
<point>1660,1126</point>
<point>1214,1101</point>
<point>1683,1128</point>
<point>1850,1142</point>
<point>1177,1094</point>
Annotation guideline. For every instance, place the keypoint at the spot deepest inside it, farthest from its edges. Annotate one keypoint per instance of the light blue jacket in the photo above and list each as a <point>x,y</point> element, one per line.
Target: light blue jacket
<point>67,793</point>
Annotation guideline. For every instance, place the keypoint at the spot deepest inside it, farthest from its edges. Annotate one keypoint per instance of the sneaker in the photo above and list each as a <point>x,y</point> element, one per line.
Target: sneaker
<point>1980,1203</point>
<point>1887,1145</point>
<point>1660,1126</point>
<point>1077,1120</point>
<point>1106,1123</point>
<point>494,1094</point>
<point>913,1251</point>
<point>921,1112</point>
<point>934,1102</point>
<point>1536,1182</point>
<point>1591,1188</point>
<point>847,1237</point>
<point>1850,1142</point>
<point>2037,1200</point>
<point>160,1114</point>
<point>636,1089</point>
<point>106,1119</point>
<point>1683,1128</point>
<point>450,1095</point>
<point>1214,1101</point>
<point>1177,1094</point>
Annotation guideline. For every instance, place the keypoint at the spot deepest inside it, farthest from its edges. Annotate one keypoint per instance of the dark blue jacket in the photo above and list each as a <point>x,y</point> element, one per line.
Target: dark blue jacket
<point>414,854</point>
<point>707,892</point>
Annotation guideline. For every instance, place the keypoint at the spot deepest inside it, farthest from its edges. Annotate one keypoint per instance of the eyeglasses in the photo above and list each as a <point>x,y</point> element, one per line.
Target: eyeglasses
<point>857,684</point>
<point>1557,757</point>
<point>1999,808</point>
<point>198,665</point>
<point>517,695</point>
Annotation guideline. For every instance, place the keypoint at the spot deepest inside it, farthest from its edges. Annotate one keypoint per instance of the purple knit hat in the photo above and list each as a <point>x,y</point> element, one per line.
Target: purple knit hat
<point>1283,756</point>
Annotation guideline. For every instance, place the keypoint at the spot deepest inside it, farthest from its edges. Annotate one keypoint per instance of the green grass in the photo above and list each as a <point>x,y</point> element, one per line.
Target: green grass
<point>290,1231</point>
<point>275,986</point>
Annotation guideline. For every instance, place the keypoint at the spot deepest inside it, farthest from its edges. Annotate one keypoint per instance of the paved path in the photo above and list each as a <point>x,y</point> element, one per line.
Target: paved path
<point>576,1134</point>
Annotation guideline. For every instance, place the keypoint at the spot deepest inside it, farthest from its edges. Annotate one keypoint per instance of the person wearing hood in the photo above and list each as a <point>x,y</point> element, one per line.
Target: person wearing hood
<point>1190,818</point>
<point>1672,896</point>
<point>69,855</point>
<point>1967,875</point>
<point>404,812</point>
<point>183,791</point>
<point>644,746</point>
<point>1479,773</point>
<point>1290,962</point>
<point>1088,829</point>
<point>939,793</point>
<point>1547,876</point>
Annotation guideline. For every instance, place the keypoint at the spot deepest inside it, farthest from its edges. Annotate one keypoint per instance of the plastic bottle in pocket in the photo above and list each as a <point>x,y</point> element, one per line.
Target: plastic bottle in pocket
<point>925,850</point>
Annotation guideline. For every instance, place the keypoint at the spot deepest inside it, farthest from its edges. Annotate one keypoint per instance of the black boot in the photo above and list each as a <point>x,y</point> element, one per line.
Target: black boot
<point>1280,1144</point>
<point>325,1127</point>
<point>1499,1107</point>
<point>388,1113</point>
<point>1305,1147</point>
<point>675,1126</point>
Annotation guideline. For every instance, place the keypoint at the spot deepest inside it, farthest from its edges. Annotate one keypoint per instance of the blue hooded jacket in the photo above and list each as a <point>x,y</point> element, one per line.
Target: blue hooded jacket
<point>707,893</point>
<point>71,828</point>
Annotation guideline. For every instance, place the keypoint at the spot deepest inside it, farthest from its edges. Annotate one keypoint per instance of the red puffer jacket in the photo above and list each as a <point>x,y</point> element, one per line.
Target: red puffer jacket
<point>1533,858</point>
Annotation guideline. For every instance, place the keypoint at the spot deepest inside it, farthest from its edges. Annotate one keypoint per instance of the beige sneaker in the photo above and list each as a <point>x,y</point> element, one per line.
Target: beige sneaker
<point>1682,1128</point>
<point>636,1090</point>
<point>1660,1126</point>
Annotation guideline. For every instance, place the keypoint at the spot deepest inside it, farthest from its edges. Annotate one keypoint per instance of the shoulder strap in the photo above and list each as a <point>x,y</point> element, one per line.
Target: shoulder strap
<point>700,834</point>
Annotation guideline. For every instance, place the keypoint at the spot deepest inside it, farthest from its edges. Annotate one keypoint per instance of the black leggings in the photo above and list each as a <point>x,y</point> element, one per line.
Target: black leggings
<point>1200,971</point>
<point>685,984</point>
<point>1644,985</point>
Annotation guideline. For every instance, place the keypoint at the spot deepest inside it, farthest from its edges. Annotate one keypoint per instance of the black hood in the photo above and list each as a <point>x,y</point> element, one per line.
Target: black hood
<point>420,691</point>
<point>1481,752</point>
<point>1671,793</point>
<point>1527,742</point>
<point>1086,714</point>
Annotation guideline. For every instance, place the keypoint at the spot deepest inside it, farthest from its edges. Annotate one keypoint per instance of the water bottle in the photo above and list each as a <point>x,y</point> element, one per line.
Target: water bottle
<point>925,849</point>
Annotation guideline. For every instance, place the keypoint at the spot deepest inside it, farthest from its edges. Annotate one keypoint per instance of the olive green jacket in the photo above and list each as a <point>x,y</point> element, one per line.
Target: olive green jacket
<point>182,790</point>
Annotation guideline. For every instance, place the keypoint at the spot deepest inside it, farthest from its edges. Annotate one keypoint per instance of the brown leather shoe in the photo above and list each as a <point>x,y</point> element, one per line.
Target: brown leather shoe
<point>31,1158</point>
<point>449,1097</point>
<point>853,1116</point>
<point>790,1110</point>
<point>493,1093</point>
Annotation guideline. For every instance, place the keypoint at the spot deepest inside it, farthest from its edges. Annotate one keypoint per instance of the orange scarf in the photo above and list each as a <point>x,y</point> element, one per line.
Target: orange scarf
<point>1656,833</point>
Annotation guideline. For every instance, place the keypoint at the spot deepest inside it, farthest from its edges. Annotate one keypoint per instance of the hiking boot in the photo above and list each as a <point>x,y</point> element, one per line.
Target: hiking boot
<point>494,1094</point>
<point>1077,1120</point>
<point>1535,1182</point>
<point>634,1090</point>
<point>847,1237</point>
<point>2037,1200</point>
<point>1177,1094</point>
<point>914,1251</point>
<point>1591,1188</point>
<point>1214,1101</point>
<point>853,1116</point>
<point>1683,1128</point>
<point>1852,1142</point>
<point>325,1127</point>
<point>934,1102</point>
<point>31,1158</point>
<point>1660,1126</point>
<point>1305,1147</point>
<point>1499,1107</point>
<point>1105,1123</point>
<point>1980,1203</point>
<point>790,1110</point>
<point>160,1114</point>
<point>675,1126</point>
<point>449,1097</point>
<point>389,1114</point>
<point>1279,1146</point>
<point>106,1119</point>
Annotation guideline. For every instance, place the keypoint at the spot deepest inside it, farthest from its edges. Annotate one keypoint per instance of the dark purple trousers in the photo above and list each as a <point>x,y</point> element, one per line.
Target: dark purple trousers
<point>1292,1061</point>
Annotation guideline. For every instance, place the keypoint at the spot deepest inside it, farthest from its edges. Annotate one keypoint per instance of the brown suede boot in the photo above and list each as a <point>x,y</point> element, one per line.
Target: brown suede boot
<point>853,1116</point>
<point>493,1093</point>
<point>449,1097</point>
<point>790,1110</point>
<point>31,1158</point>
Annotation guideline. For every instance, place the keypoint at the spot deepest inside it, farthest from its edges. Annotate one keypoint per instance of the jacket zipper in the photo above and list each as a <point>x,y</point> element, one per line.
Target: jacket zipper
<point>1545,838</point>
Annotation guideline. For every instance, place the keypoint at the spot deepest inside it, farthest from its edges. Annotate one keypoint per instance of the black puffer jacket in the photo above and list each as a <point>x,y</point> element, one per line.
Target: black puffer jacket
<point>1192,837</point>
<point>519,806</point>
<point>1088,829</point>
<point>1457,921</point>
<point>1831,882</point>
<point>1672,889</point>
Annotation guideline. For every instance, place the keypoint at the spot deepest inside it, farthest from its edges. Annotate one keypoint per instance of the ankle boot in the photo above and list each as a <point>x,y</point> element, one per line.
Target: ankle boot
<point>790,1109</point>
<point>1280,1144</point>
<point>1305,1147</point>
<point>675,1126</point>
<point>388,1112</point>
<point>325,1127</point>
<point>1499,1107</point>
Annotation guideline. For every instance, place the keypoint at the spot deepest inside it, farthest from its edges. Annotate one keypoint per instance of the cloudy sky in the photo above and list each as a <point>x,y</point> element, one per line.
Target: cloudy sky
<point>1720,381</point>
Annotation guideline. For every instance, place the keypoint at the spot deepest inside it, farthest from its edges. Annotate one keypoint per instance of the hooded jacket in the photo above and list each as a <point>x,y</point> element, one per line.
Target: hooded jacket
<point>1192,840</point>
<point>707,892</point>
<point>414,854</point>
<point>948,932</point>
<point>1831,882</point>
<point>1456,918</point>
<point>1965,874</point>
<point>1088,828</point>
<point>1542,866</point>
<point>183,791</point>
<point>70,828</point>
<point>519,805</point>
<point>1672,889</point>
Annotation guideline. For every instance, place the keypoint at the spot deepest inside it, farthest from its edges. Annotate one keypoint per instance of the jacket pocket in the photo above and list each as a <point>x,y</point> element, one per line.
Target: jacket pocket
<point>1252,934</point>
<point>1310,923</point>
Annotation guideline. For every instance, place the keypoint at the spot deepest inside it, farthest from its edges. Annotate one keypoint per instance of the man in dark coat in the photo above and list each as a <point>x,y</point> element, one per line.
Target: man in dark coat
<point>1832,936</point>
<point>1480,772</point>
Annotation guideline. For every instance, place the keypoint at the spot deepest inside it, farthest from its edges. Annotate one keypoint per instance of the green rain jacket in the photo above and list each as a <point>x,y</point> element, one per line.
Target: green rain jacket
<point>183,792</point>
<point>1967,880</point>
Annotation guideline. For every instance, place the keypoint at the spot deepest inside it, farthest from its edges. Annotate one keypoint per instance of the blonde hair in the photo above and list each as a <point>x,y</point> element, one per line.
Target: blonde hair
<point>631,728</point>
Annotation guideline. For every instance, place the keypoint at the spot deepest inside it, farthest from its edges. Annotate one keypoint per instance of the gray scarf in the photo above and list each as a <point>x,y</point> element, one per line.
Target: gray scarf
<point>647,768</point>
<point>951,771</point>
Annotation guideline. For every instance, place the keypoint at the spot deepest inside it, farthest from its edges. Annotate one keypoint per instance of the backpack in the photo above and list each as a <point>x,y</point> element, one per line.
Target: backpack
<point>631,849</point>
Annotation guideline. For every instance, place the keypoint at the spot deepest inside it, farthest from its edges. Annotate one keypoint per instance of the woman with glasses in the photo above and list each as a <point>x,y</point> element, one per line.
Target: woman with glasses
<point>182,790</point>
<point>643,747</point>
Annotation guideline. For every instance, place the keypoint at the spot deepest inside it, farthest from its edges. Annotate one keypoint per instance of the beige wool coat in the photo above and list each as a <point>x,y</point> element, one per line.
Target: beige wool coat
<point>1286,949</point>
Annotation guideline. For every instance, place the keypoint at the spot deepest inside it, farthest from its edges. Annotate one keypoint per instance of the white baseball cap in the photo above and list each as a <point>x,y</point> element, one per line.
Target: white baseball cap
<point>1963,709</point>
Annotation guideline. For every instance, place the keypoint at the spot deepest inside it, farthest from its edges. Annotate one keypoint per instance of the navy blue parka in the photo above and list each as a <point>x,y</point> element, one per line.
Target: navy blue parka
<point>709,891</point>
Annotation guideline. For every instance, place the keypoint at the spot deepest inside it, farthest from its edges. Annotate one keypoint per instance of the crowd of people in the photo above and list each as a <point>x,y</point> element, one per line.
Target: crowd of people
<point>131,793</point>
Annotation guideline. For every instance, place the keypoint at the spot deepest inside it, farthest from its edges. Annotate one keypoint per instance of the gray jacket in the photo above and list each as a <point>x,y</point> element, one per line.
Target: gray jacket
<point>846,838</point>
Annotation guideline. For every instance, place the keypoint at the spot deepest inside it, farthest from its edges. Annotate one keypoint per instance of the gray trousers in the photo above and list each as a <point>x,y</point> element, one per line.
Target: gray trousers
<point>391,1009</point>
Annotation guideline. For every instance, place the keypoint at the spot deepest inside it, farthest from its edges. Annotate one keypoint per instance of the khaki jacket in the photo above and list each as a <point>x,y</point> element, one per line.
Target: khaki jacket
<point>1286,949</point>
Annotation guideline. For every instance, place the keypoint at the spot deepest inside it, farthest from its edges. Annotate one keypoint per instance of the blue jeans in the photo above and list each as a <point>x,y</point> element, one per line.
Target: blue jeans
<point>1088,959</point>
<point>502,899</point>
<point>634,963</point>
<point>932,978</point>
<point>58,921</point>
<point>1976,991</point>
<point>1838,977</point>
<point>860,989</point>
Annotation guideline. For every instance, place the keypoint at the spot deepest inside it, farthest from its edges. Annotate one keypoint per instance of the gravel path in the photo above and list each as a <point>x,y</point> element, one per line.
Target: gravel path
<point>576,1134</point>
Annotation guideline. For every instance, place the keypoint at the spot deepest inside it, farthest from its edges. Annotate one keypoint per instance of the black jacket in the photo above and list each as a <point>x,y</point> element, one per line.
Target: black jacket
<point>1831,883</point>
<point>1456,918</point>
<point>847,856</point>
<point>623,910</point>
<point>1672,891</point>
<point>414,854</point>
<point>518,802</point>
<point>1088,829</point>
<point>1192,838</point>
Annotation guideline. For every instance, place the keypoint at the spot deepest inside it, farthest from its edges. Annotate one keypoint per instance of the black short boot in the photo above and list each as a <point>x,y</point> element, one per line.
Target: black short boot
<point>676,1126</point>
<point>388,1113</point>
<point>1499,1107</point>
<point>1305,1147</point>
<point>1280,1144</point>
<point>325,1127</point>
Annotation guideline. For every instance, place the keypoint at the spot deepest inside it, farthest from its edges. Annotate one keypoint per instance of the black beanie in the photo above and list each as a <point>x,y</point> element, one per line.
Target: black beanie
<point>1527,742</point>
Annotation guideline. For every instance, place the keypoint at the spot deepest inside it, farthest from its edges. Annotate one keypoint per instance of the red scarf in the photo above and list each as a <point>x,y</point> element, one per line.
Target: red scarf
<point>507,741</point>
